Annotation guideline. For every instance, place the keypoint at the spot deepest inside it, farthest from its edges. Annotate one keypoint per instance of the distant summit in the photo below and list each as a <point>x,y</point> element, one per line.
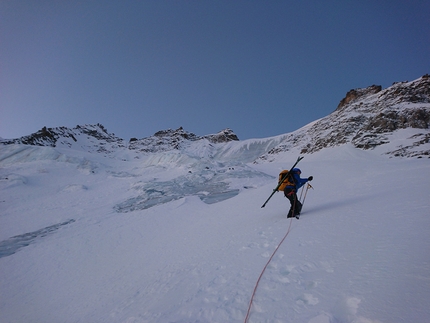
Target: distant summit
<point>169,139</point>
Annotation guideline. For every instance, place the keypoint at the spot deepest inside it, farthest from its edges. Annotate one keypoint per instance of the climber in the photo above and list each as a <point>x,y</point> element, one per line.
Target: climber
<point>290,185</point>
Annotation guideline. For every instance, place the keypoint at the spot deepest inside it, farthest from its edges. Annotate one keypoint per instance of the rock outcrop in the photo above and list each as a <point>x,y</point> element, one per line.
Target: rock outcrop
<point>169,139</point>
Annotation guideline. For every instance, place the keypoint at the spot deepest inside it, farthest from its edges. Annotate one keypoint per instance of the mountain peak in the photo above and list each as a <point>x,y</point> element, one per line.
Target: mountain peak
<point>165,140</point>
<point>357,94</point>
<point>180,132</point>
<point>225,135</point>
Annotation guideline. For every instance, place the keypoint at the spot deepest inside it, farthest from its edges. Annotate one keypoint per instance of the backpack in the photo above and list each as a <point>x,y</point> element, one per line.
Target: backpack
<point>288,180</point>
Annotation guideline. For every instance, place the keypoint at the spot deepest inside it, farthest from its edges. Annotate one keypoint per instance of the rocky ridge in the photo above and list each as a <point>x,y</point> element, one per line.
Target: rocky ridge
<point>86,137</point>
<point>166,140</point>
<point>366,117</point>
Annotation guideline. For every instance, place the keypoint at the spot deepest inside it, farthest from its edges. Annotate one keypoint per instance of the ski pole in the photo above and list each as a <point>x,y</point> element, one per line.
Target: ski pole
<point>307,188</point>
<point>301,193</point>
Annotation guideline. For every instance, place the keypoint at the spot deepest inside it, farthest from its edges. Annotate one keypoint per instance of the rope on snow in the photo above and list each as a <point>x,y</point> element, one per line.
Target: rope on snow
<point>276,249</point>
<point>264,269</point>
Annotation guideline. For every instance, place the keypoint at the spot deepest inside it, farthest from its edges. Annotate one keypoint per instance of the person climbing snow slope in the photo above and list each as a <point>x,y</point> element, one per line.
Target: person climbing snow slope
<point>291,183</point>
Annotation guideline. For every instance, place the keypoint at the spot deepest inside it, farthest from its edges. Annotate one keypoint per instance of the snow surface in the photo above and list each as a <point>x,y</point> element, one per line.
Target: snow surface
<point>168,238</point>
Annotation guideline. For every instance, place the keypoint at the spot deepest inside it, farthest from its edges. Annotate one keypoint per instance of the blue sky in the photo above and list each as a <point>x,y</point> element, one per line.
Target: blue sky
<point>261,68</point>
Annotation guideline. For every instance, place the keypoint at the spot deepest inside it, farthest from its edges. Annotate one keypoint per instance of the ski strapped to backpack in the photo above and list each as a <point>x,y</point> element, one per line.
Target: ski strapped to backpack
<point>282,179</point>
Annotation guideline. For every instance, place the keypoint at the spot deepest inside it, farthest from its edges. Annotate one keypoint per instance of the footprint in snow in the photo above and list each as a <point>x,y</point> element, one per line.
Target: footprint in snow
<point>307,299</point>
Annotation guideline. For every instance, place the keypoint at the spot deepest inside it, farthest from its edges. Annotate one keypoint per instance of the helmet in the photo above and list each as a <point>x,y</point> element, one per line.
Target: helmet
<point>297,170</point>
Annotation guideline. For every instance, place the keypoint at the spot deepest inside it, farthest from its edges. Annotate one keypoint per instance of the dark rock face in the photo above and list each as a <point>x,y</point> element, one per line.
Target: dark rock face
<point>393,120</point>
<point>225,135</point>
<point>356,94</point>
<point>176,134</point>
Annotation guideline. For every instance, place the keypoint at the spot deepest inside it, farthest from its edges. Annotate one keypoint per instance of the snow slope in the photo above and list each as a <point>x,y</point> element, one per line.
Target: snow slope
<point>359,253</point>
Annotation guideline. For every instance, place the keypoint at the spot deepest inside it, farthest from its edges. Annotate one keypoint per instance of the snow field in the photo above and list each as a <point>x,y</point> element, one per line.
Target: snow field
<point>359,253</point>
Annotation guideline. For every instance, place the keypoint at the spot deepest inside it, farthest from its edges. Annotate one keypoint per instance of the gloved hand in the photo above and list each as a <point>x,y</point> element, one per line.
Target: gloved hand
<point>310,178</point>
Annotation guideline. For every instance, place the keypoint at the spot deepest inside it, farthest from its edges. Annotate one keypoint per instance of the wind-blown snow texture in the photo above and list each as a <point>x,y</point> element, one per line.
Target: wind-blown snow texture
<point>93,230</point>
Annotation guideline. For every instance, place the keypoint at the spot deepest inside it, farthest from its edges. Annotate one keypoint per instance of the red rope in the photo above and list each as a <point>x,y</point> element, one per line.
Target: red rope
<point>261,275</point>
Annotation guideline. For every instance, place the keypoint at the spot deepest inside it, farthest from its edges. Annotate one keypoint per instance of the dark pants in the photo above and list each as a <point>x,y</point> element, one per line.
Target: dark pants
<point>296,206</point>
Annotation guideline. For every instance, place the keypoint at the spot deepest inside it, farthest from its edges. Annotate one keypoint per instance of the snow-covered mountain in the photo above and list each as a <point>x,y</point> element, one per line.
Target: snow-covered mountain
<point>170,228</point>
<point>371,117</point>
<point>367,118</point>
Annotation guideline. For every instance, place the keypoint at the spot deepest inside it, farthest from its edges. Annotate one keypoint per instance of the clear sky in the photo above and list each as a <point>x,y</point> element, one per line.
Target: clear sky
<point>261,68</point>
